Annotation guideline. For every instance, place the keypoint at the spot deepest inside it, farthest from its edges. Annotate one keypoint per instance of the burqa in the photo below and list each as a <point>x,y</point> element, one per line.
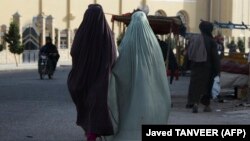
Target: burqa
<point>203,68</point>
<point>51,51</point>
<point>93,54</point>
<point>139,82</point>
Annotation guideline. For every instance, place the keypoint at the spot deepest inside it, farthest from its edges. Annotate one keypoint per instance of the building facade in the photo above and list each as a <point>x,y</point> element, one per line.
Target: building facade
<point>61,18</point>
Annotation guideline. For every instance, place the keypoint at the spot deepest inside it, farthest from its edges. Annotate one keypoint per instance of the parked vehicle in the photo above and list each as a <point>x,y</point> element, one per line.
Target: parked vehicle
<point>45,67</point>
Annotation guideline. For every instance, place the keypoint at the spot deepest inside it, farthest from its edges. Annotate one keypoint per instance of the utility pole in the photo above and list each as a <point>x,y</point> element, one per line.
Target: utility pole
<point>69,17</point>
<point>40,7</point>
<point>41,23</point>
<point>120,12</point>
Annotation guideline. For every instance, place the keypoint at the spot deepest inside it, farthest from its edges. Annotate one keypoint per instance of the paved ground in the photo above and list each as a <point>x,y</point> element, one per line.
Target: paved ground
<point>28,66</point>
<point>42,110</point>
<point>229,112</point>
<point>36,110</point>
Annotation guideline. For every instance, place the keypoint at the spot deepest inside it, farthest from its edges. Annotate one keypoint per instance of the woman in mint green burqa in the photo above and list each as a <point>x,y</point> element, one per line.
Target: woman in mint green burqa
<point>138,82</point>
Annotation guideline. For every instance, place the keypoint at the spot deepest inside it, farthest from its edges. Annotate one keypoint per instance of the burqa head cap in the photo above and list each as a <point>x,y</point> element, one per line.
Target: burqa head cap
<point>95,6</point>
<point>206,28</point>
<point>48,39</point>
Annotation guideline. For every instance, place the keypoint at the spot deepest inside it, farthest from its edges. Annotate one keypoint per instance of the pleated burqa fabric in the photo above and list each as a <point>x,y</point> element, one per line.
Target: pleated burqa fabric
<point>93,54</point>
<point>139,82</point>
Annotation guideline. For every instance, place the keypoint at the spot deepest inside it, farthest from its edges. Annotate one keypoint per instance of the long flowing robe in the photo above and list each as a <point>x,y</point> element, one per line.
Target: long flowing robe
<point>93,54</point>
<point>203,73</point>
<point>138,82</point>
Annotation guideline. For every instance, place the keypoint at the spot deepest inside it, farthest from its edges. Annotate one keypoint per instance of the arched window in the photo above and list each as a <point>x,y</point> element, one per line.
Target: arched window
<point>30,38</point>
<point>160,12</point>
<point>184,18</point>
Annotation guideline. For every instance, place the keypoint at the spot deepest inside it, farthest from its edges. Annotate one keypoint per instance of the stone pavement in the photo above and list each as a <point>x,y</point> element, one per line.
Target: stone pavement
<point>42,110</point>
<point>231,111</point>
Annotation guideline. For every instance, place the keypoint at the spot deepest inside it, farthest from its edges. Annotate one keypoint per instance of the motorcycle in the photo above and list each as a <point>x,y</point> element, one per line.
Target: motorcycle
<point>45,66</point>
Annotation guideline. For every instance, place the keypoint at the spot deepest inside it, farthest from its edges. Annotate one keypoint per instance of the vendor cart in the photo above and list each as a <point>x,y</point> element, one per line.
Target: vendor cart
<point>234,66</point>
<point>161,25</point>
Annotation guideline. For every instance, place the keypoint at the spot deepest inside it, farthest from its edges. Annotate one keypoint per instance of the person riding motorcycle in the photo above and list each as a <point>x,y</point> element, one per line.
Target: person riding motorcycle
<point>50,50</point>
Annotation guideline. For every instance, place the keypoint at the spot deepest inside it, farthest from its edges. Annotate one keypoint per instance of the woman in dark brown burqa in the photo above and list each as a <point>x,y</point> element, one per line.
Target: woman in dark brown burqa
<point>205,65</point>
<point>93,54</point>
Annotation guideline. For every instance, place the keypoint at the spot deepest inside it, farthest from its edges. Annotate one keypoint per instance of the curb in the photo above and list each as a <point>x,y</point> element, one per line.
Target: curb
<point>9,67</point>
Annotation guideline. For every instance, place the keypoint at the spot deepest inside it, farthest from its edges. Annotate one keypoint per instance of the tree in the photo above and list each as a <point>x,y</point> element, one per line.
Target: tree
<point>13,39</point>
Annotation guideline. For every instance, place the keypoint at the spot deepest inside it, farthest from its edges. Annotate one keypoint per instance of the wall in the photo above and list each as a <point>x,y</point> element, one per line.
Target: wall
<point>221,10</point>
